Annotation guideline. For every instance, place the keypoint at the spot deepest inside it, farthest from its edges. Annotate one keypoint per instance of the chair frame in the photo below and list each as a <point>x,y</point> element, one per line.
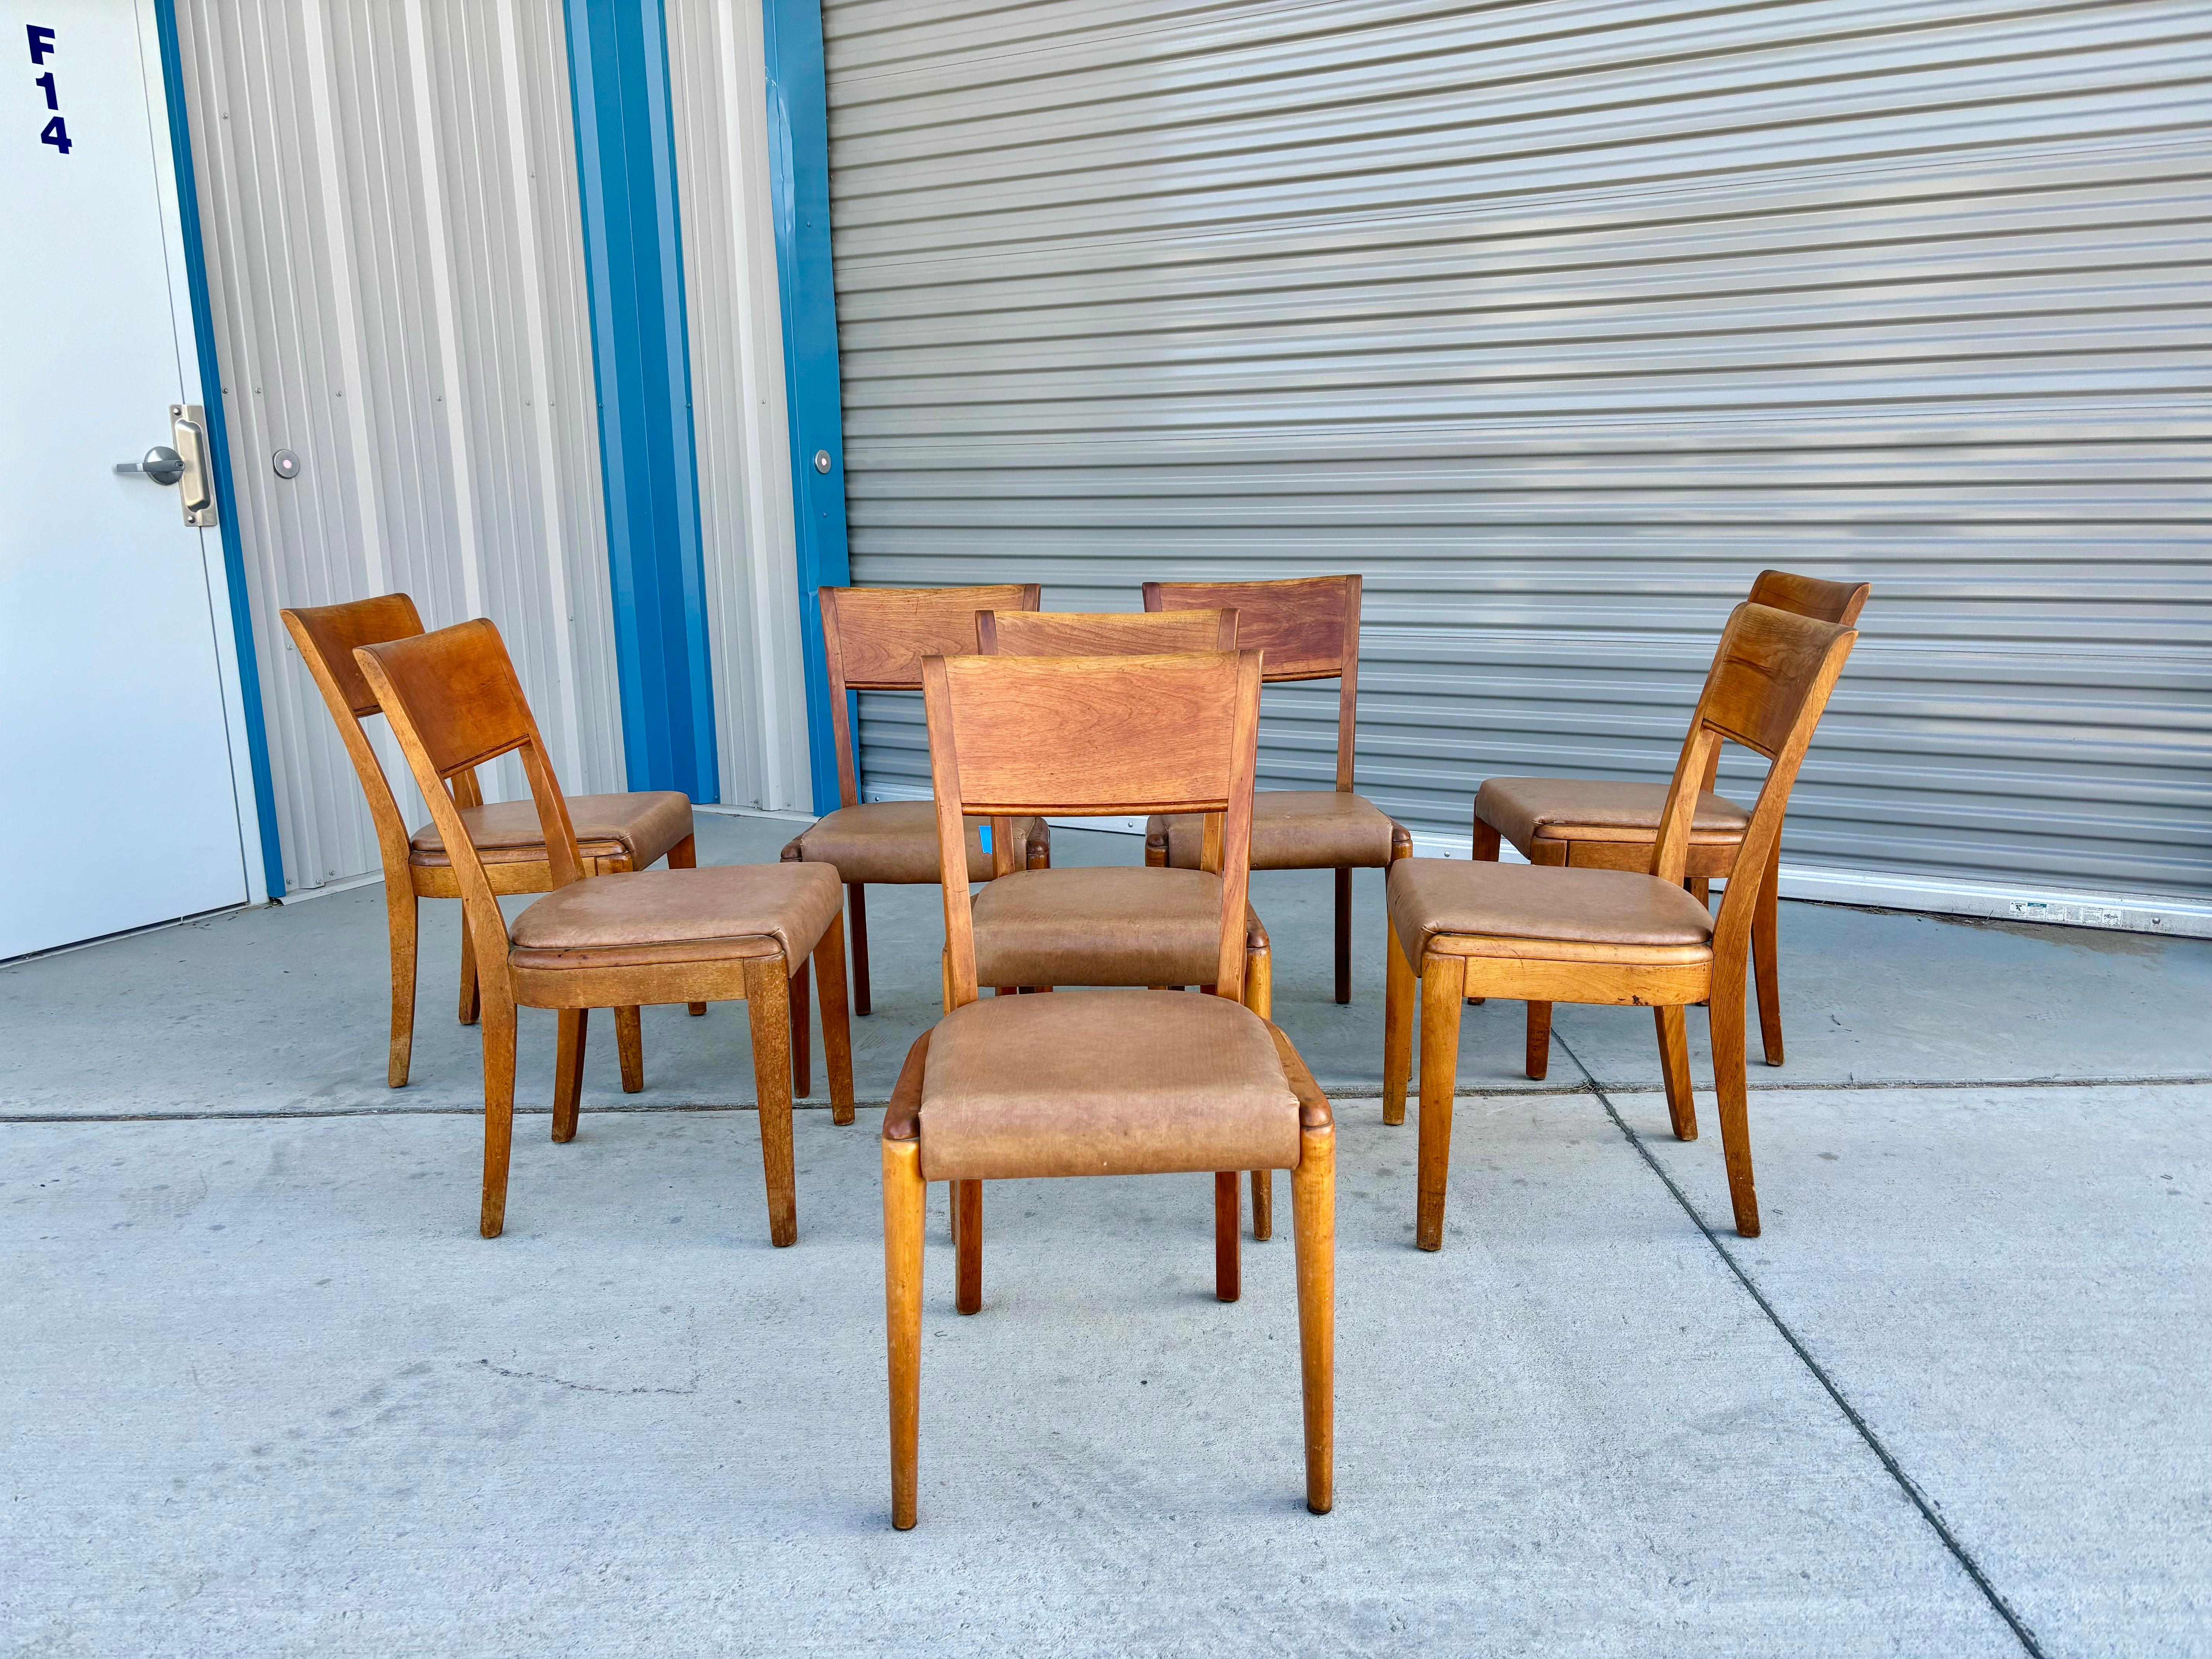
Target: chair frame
<point>1771,679</point>
<point>999,779</point>
<point>454,703</point>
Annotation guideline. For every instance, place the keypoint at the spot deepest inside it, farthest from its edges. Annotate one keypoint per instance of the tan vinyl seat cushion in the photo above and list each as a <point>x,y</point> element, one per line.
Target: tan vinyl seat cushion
<point>1296,830</point>
<point>1084,1082</point>
<point>1433,897</point>
<point>637,917</point>
<point>894,842</point>
<point>1520,809</point>
<point>641,826</point>
<point>1100,926</point>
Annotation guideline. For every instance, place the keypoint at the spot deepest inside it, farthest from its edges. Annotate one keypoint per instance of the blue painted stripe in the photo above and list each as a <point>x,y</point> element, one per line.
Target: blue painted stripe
<point>798,172</point>
<point>633,253</point>
<point>226,499</point>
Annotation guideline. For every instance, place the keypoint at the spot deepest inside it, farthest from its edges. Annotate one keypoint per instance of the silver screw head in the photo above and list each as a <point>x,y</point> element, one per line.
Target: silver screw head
<point>821,460</point>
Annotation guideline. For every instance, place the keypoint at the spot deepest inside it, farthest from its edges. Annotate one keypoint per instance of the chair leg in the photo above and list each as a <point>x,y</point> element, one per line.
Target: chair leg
<point>903,1254</point>
<point>802,1044</point>
<point>1444,983</point>
<point>1766,960</point>
<point>400,914</point>
<point>568,1071</point>
<point>836,1021</point>
<point>1259,981</point>
<point>1538,1058</point>
<point>472,1001</point>
<point>1398,994</point>
<point>1675,1070</point>
<point>968,1251</point>
<point>1727,1009</point>
<point>499,1111</point>
<point>1483,851</point>
<point>768,995</point>
<point>1344,935</point>
<point>684,855</point>
<point>1313,1212</point>
<point>1263,1204</point>
<point>1227,1215</point>
<point>856,919</point>
<point>630,1049</point>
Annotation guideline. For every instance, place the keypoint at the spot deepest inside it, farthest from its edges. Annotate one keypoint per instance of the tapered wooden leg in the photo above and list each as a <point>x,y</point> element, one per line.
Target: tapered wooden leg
<point>499,1111</point>
<point>1228,1213</point>
<point>802,1044</point>
<point>856,919</point>
<point>768,998</point>
<point>1674,1070</point>
<point>568,1071</point>
<point>1263,1204</point>
<point>1538,1059</point>
<point>1313,1222</point>
<point>630,1049</point>
<point>1767,958</point>
<point>471,998</point>
<point>400,910</point>
<point>1259,981</point>
<point>1443,983</point>
<point>968,1253</point>
<point>1398,995</point>
<point>1484,851</point>
<point>1727,1011</point>
<point>684,855</point>
<point>836,1021</point>
<point>902,1253</point>
<point>1344,935</point>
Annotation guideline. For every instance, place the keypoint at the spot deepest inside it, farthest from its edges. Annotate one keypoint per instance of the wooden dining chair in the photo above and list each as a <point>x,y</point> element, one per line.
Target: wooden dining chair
<point>1588,824</point>
<point>618,940</point>
<point>1308,627</point>
<point>1571,933</point>
<point>1083,1083</point>
<point>874,638</point>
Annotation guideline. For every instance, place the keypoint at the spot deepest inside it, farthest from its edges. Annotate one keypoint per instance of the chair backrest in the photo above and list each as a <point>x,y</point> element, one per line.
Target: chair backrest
<point>1811,596</point>
<point>1770,681</point>
<point>1094,736</point>
<point>328,636</point>
<point>874,638</point>
<point>1308,626</point>
<point>1102,634</point>
<point>454,703</point>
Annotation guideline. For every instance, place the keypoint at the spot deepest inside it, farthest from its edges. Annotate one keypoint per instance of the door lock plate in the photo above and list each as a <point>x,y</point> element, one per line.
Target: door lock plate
<point>195,491</point>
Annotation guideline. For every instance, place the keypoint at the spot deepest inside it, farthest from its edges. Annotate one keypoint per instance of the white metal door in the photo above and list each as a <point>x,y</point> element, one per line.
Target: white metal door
<point>116,762</point>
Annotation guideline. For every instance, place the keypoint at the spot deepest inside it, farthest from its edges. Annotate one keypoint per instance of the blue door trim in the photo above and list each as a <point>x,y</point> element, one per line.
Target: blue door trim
<point>226,499</point>
<point>798,172</point>
<point>641,358</point>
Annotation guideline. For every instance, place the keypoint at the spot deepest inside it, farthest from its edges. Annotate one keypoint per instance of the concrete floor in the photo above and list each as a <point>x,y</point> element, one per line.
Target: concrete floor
<point>269,1394</point>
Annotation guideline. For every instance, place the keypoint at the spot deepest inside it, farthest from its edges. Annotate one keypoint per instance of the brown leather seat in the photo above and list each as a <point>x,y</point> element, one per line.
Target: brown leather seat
<point>641,827</point>
<point>1118,926</point>
<point>635,917</point>
<point>1089,1083</point>
<point>1298,829</point>
<point>894,842</point>
<point>1584,809</point>
<point>1559,903</point>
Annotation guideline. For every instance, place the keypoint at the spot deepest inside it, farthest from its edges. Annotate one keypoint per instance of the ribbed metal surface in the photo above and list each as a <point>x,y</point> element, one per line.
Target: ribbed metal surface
<point>1559,322</point>
<point>389,198</point>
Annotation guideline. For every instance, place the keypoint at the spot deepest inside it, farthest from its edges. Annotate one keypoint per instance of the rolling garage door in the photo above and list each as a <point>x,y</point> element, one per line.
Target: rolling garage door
<point>1560,321</point>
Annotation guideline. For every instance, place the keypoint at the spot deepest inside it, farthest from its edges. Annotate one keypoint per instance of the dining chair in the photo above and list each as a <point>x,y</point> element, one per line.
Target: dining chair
<point>1571,933</point>
<point>1111,1082</point>
<point>618,940</point>
<point>613,832</point>
<point>874,638</point>
<point>1587,824</point>
<point>1308,627</point>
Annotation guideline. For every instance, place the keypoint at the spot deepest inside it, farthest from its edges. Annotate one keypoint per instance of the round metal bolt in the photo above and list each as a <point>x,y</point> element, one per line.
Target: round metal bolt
<point>821,460</point>
<point>284,464</point>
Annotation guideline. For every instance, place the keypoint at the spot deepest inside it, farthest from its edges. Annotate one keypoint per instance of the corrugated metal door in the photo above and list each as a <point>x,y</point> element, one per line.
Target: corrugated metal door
<point>1560,321</point>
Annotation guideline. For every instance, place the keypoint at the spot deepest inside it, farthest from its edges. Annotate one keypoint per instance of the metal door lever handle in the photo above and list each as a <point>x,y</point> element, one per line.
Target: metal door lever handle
<point>162,463</point>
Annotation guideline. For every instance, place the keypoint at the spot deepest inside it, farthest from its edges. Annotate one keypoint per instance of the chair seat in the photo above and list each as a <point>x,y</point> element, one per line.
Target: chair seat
<point>636,917</point>
<point>641,827</point>
<point>1587,809</point>
<point>1117,925</point>
<point>1435,897</point>
<point>894,842</point>
<point>1085,1083</point>
<point>1297,829</point>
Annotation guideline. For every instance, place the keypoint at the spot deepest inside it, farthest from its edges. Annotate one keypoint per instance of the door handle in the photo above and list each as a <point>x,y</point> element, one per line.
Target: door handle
<point>162,463</point>
<point>188,425</point>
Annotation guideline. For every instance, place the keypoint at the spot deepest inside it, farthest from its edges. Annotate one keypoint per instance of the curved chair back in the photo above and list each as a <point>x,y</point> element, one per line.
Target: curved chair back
<point>1102,634</point>
<point>1810,596</point>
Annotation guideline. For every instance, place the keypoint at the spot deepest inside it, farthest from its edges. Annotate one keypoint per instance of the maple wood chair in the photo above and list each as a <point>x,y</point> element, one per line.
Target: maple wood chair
<point>1309,628</point>
<point>1126,1082</point>
<point>1564,933</point>
<point>1586,823</point>
<point>613,832</point>
<point>874,638</point>
<point>618,940</point>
